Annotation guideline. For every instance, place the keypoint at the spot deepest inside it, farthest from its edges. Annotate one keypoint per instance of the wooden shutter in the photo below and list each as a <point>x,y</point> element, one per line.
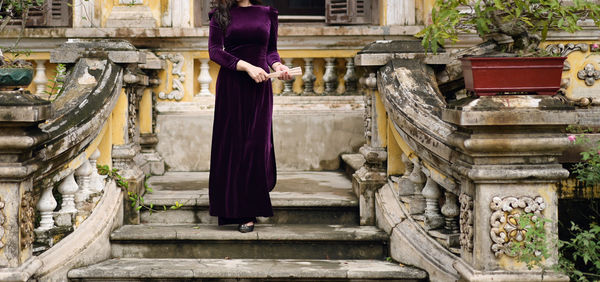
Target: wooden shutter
<point>348,11</point>
<point>57,13</point>
<point>52,13</point>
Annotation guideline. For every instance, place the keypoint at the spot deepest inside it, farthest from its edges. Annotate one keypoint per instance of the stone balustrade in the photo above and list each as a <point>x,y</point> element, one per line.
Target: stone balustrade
<point>334,75</point>
<point>444,176</point>
<point>50,148</point>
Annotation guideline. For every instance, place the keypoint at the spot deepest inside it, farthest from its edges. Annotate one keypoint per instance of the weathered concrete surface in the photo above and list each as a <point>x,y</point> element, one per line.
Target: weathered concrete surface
<point>295,241</point>
<point>298,198</point>
<point>260,269</point>
<point>89,243</point>
<point>409,243</point>
<point>310,133</point>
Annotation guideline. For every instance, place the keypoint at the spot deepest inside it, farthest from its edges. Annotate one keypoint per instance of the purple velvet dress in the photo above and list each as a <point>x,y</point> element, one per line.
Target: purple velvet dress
<point>242,161</point>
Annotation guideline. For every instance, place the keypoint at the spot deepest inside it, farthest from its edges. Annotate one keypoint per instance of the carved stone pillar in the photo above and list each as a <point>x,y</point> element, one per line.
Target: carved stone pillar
<point>126,157</point>
<point>372,175</point>
<point>512,145</point>
<point>148,140</point>
<point>309,77</point>
<point>20,114</point>
<point>330,77</point>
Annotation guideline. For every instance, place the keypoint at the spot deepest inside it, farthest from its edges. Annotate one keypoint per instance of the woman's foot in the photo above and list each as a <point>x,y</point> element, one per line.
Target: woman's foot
<point>246,227</point>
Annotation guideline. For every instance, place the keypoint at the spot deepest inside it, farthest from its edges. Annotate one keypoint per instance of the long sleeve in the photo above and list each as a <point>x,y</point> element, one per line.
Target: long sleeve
<point>216,51</point>
<point>272,55</point>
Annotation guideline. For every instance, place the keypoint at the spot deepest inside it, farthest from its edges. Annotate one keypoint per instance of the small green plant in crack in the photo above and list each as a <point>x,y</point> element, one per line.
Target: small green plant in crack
<point>137,201</point>
<point>56,82</point>
<point>533,249</point>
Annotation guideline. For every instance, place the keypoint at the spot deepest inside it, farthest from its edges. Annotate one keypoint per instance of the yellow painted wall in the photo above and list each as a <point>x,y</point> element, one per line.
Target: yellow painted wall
<point>105,145</point>
<point>145,112</point>
<point>119,120</point>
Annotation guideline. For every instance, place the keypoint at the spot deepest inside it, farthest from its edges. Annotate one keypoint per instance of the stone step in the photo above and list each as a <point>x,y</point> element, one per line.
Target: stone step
<point>293,241</point>
<point>247,269</point>
<point>298,198</point>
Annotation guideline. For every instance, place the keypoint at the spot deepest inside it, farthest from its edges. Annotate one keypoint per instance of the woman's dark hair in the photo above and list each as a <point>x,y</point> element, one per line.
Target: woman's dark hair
<point>222,8</point>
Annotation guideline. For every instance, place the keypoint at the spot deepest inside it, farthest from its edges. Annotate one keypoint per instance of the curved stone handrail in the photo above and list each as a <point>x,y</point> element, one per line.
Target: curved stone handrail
<point>483,151</point>
<point>87,100</point>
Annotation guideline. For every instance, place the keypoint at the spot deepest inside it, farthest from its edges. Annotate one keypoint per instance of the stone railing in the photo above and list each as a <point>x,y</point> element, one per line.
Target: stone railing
<point>324,73</point>
<point>446,178</point>
<point>51,149</point>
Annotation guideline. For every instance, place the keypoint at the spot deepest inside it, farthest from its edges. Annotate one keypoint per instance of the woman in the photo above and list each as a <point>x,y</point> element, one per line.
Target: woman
<point>243,40</point>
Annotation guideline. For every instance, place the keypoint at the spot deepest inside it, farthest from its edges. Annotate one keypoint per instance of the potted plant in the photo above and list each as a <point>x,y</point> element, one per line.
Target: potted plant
<point>15,73</point>
<point>517,27</point>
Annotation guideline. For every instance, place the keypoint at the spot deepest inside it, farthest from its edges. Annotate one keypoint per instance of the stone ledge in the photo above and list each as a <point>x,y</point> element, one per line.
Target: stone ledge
<point>366,270</point>
<point>262,232</point>
<point>281,104</point>
<point>409,243</point>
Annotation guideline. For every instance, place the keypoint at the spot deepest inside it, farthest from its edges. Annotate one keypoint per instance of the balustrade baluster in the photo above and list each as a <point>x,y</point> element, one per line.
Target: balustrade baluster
<point>97,181</point>
<point>67,189</point>
<point>309,77</point>
<point>406,187</point>
<point>330,77</point>
<point>40,80</point>
<point>431,192</point>
<point>417,178</point>
<point>46,205</point>
<point>83,175</point>
<point>451,210</point>
<point>204,78</point>
<point>288,84</point>
<point>350,78</point>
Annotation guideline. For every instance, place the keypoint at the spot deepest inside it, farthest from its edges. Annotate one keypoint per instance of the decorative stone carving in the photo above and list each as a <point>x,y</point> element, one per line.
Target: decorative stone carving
<point>178,77</point>
<point>40,80</point>
<point>431,192</point>
<point>350,78</point>
<point>405,186</point>
<point>564,50</point>
<point>83,176</point>
<point>417,178</point>
<point>288,84</point>
<point>371,81</point>
<point>67,189</point>
<point>134,94</point>
<point>2,221</point>
<point>96,180</point>
<point>450,210</point>
<point>26,220</point>
<point>330,77</point>
<point>46,205</point>
<point>466,222</point>
<point>309,77</point>
<point>504,220</point>
<point>589,74</point>
<point>204,78</point>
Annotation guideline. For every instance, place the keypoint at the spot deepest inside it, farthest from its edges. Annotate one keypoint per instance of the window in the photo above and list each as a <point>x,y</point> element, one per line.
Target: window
<point>299,10</point>
<point>53,13</point>
<point>328,11</point>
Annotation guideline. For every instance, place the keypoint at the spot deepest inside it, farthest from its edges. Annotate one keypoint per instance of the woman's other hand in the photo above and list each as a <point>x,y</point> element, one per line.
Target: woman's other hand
<point>257,74</point>
<point>284,69</point>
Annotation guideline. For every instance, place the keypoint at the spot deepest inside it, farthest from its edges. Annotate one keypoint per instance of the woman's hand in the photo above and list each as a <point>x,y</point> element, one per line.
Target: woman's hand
<point>284,69</point>
<point>257,74</point>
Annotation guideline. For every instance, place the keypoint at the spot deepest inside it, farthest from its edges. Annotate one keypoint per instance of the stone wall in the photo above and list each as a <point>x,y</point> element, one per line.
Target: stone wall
<point>310,133</point>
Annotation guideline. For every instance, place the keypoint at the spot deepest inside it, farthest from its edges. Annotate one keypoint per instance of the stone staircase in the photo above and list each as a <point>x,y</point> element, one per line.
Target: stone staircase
<point>314,236</point>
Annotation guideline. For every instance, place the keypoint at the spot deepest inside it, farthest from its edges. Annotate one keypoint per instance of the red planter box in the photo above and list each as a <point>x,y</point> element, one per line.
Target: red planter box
<point>488,76</point>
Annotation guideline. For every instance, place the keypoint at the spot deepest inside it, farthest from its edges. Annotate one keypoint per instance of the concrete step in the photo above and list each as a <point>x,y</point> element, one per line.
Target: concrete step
<point>351,163</point>
<point>245,270</point>
<point>294,241</point>
<point>298,198</point>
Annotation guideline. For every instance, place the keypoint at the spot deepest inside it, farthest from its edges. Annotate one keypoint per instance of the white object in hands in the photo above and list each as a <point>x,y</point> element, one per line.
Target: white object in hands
<point>293,72</point>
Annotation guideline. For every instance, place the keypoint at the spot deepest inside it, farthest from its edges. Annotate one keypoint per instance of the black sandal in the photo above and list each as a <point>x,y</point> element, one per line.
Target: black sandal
<point>245,228</point>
